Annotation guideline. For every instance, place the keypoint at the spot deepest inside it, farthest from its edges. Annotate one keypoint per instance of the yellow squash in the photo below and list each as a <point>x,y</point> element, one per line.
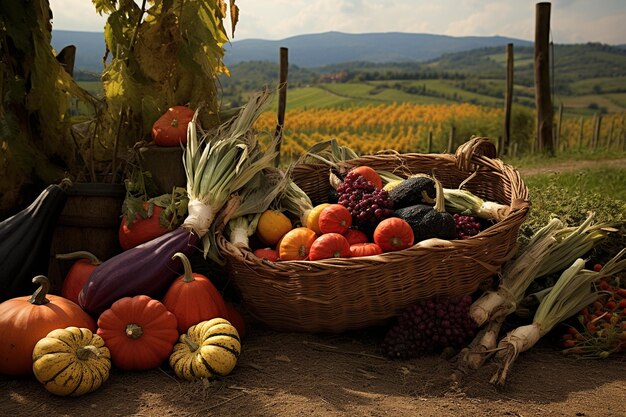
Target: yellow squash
<point>208,349</point>
<point>71,361</point>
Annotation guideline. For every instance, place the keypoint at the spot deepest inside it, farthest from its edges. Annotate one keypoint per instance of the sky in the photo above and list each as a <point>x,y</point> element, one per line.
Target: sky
<point>572,21</point>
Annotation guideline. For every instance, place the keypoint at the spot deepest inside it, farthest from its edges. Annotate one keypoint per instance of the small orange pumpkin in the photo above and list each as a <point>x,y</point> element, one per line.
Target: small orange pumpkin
<point>25,320</point>
<point>171,128</point>
<point>266,253</point>
<point>393,234</point>
<point>329,245</point>
<point>193,298</point>
<point>355,236</point>
<point>369,174</point>
<point>364,249</point>
<point>139,332</point>
<point>296,243</point>
<point>335,219</point>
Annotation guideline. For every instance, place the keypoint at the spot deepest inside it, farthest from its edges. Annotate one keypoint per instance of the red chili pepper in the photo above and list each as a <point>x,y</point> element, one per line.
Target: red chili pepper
<point>597,267</point>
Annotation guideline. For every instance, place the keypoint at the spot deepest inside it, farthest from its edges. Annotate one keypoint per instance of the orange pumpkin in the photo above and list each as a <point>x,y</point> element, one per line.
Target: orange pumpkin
<point>296,243</point>
<point>364,249</point>
<point>139,332</point>
<point>193,298</point>
<point>78,275</point>
<point>355,236</point>
<point>266,253</point>
<point>393,234</point>
<point>329,245</point>
<point>171,128</point>
<point>369,174</point>
<point>335,219</point>
<point>26,320</point>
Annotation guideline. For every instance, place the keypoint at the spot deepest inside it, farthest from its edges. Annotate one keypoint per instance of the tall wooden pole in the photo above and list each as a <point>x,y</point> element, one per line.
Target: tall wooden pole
<point>282,101</point>
<point>543,101</point>
<point>508,100</point>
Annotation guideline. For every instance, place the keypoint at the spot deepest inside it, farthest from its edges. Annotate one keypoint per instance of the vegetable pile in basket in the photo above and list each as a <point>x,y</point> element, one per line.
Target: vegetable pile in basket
<point>367,215</point>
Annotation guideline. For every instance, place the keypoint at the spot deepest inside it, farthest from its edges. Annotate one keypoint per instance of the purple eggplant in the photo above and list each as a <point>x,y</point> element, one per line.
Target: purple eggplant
<point>146,269</point>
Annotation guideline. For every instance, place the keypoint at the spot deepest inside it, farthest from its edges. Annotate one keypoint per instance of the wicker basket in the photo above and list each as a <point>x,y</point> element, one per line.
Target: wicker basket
<point>334,295</point>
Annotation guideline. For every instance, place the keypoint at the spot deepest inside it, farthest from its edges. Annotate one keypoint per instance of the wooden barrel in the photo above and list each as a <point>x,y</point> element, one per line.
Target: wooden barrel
<point>166,166</point>
<point>89,221</point>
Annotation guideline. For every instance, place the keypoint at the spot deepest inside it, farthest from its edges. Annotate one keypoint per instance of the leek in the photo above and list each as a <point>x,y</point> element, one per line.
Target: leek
<point>221,162</point>
<point>573,290</point>
<point>553,246</point>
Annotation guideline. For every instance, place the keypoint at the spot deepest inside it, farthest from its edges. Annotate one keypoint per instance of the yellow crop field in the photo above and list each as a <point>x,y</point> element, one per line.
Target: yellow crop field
<point>406,127</point>
<point>402,127</point>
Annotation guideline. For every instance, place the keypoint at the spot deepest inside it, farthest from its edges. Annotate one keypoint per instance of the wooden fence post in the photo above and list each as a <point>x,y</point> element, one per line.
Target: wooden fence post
<point>595,141</point>
<point>429,149</point>
<point>508,100</point>
<point>282,101</point>
<point>542,79</point>
<point>451,140</point>
<point>557,139</point>
<point>580,132</point>
<point>609,138</point>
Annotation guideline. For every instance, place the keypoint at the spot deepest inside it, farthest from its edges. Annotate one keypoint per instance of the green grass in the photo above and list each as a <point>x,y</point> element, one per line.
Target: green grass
<point>94,87</point>
<point>313,97</point>
<point>606,182</point>
<point>590,86</point>
<point>584,101</point>
<point>538,160</point>
<point>570,196</point>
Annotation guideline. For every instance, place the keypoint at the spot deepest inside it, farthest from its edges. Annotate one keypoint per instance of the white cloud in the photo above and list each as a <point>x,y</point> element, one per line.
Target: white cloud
<point>571,20</point>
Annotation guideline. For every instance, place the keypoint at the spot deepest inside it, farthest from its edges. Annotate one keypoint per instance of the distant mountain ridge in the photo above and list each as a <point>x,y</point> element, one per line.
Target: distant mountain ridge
<point>312,50</point>
<point>316,50</point>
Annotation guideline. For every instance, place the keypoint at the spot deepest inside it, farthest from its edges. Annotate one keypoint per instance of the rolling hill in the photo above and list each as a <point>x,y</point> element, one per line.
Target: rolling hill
<point>313,50</point>
<point>318,50</point>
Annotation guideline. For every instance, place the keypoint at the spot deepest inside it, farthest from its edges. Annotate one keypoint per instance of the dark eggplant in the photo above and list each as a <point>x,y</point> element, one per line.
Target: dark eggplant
<point>430,222</point>
<point>418,189</point>
<point>25,241</point>
<point>147,269</point>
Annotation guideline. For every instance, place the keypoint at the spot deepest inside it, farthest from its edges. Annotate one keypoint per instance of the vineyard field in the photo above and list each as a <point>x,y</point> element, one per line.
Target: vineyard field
<point>407,127</point>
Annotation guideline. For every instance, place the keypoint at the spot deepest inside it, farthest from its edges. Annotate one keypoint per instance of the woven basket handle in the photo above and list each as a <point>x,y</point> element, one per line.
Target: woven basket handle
<point>475,154</point>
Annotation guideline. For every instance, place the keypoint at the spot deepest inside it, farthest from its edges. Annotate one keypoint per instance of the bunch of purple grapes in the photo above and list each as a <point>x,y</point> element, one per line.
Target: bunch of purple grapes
<point>466,226</point>
<point>368,205</point>
<point>429,327</point>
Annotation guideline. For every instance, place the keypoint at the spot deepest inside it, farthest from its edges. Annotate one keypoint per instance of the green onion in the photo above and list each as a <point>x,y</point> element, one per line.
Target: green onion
<point>573,290</point>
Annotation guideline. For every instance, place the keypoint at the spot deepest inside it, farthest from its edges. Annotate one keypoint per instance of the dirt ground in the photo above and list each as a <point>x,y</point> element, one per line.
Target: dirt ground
<point>293,374</point>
